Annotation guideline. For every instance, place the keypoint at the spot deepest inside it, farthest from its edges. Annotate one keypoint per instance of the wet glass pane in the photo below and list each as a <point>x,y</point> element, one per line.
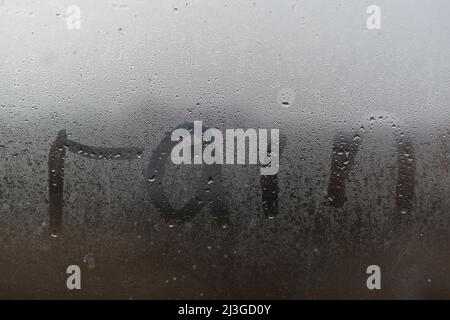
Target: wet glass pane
<point>220,149</point>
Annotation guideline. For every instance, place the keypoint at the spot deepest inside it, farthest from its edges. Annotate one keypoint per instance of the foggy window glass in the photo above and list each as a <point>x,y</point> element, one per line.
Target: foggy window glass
<point>224,149</point>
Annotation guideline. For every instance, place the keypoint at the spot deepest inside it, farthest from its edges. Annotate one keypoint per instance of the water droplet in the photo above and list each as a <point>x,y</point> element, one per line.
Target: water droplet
<point>286,97</point>
<point>89,260</point>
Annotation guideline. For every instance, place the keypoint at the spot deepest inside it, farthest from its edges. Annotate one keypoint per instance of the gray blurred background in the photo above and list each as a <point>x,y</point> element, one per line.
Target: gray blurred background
<point>135,70</point>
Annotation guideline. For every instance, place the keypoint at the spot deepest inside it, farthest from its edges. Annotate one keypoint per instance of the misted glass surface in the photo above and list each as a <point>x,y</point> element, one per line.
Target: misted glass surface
<point>91,91</point>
